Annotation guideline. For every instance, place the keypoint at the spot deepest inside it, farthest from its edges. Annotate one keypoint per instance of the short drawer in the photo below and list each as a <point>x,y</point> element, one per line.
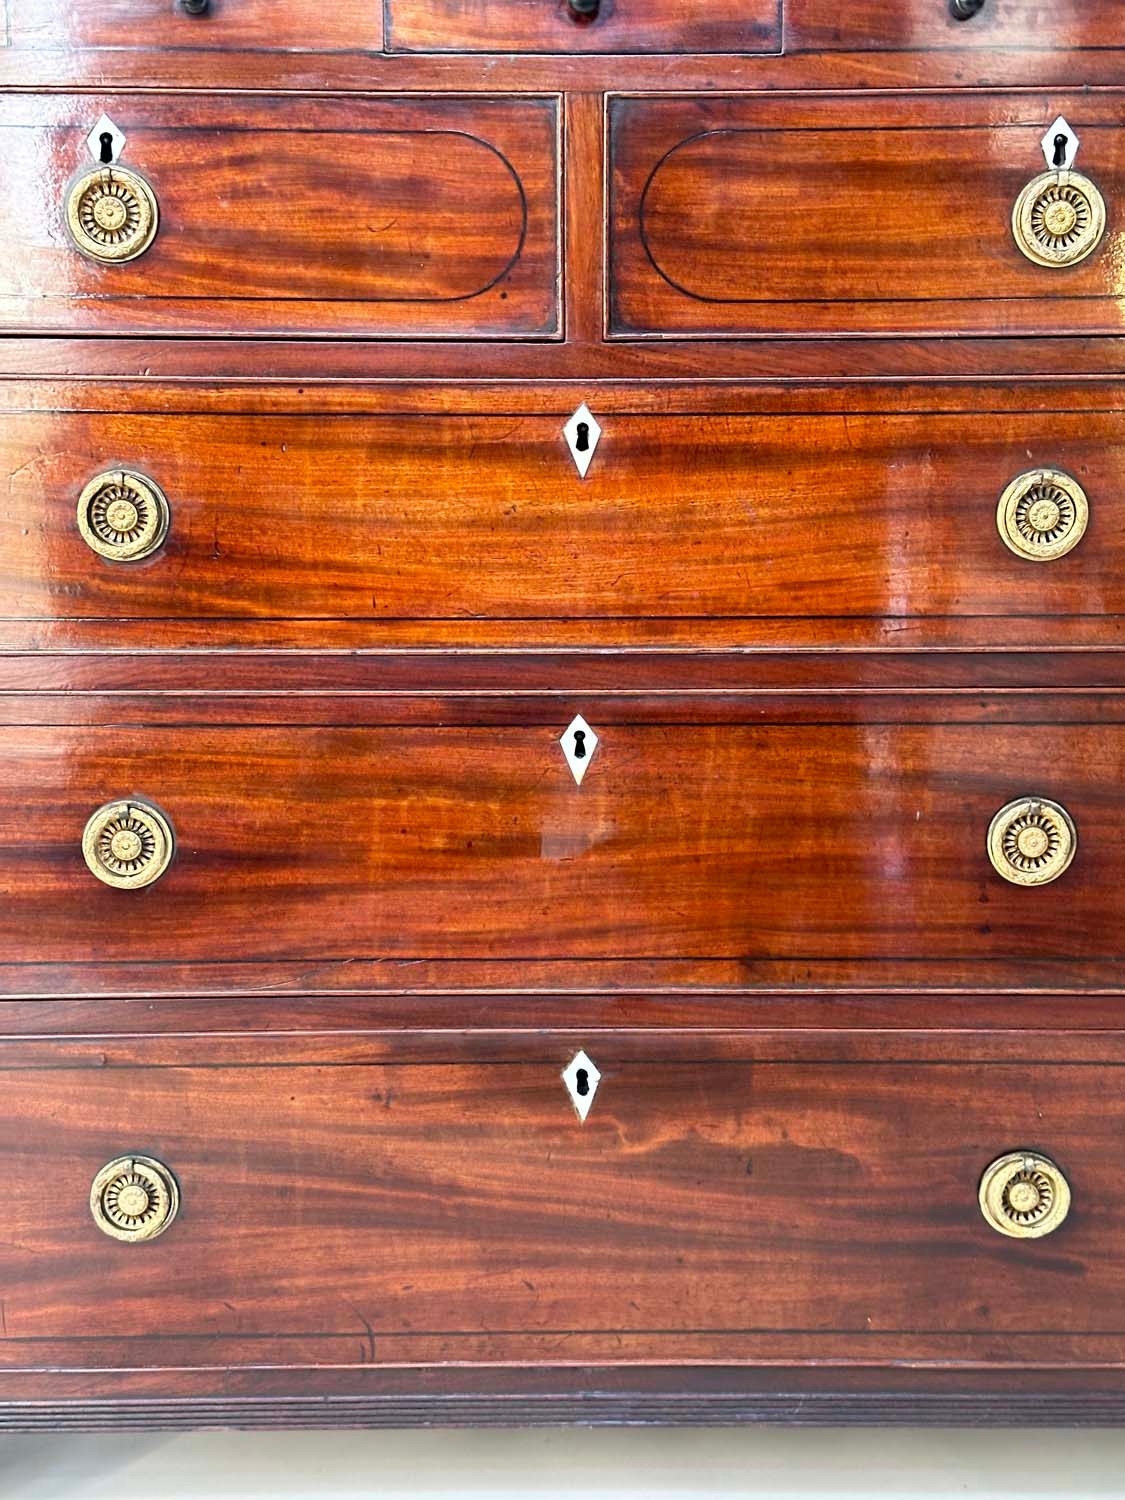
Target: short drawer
<point>741,215</point>
<point>898,25</point>
<point>583,26</point>
<point>634,836</point>
<point>482,515</point>
<point>348,1201</point>
<point>427,217</point>
<point>245,25</point>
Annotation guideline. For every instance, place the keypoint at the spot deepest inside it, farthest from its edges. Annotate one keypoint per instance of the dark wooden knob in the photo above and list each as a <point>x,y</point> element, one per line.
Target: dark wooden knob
<point>965,10</point>
<point>195,7</point>
<point>583,10</point>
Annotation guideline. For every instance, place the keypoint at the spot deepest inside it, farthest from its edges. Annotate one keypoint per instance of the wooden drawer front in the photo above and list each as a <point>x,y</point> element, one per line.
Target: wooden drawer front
<point>744,215</point>
<point>778,843</point>
<point>552,26</point>
<point>256,25</point>
<point>430,517</point>
<point>919,25</point>
<point>363,218</point>
<point>349,1212</point>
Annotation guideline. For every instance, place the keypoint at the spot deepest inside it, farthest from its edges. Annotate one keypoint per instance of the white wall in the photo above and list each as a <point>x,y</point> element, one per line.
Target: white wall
<point>580,1465</point>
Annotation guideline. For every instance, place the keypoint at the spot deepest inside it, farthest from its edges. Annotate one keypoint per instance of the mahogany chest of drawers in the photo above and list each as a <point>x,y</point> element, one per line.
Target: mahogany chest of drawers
<point>562,608</point>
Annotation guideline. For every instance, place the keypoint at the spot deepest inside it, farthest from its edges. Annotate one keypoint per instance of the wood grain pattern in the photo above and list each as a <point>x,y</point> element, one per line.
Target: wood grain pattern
<point>227,25</point>
<point>736,216</point>
<point>371,1215</point>
<point>685,841</point>
<point>402,217</point>
<point>481,515</point>
<point>512,26</point>
<point>922,25</point>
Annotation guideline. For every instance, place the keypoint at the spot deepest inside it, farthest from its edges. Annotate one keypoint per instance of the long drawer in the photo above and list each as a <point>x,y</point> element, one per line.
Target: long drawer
<point>741,215</point>
<point>407,217</point>
<point>741,837</point>
<point>482,515</point>
<point>365,1199</point>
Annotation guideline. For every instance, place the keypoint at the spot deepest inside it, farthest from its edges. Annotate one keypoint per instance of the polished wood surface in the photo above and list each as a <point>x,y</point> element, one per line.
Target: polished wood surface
<point>513,26</point>
<point>747,215</point>
<point>431,218</point>
<point>481,515</point>
<point>352,1213</point>
<point>685,841</point>
<point>919,25</point>
<point>771,250</point>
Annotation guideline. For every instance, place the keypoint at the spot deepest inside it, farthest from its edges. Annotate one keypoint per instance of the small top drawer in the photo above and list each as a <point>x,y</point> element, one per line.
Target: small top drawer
<point>750,216</point>
<point>373,218</point>
<point>583,26</point>
<point>892,25</point>
<point>259,25</point>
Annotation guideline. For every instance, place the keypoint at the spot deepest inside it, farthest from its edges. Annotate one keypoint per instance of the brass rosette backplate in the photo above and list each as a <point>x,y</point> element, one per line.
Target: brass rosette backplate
<point>112,214</point>
<point>1059,219</point>
<point>128,844</point>
<point>1024,1195</point>
<point>123,515</point>
<point>1032,841</point>
<point>134,1198</point>
<point>1042,514</point>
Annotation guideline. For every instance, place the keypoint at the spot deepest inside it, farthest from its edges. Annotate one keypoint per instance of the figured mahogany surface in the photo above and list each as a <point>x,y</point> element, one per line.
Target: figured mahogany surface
<point>481,514</point>
<point>747,215</point>
<point>771,249</point>
<point>398,216</point>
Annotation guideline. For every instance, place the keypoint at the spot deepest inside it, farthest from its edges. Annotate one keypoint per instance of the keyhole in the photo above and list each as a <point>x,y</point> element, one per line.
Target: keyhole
<point>582,1083</point>
<point>106,142</point>
<point>582,437</point>
<point>580,754</point>
<point>1061,144</point>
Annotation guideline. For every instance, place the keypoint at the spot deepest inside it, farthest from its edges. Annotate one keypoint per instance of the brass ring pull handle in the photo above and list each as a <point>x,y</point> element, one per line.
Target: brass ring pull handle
<point>965,10</point>
<point>1024,1195</point>
<point>134,1198</point>
<point>128,845</point>
<point>1059,218</point>
<point>112,214</point>
<point>123,515</point>
<point>1042,514</point>
<point>1032,841</point>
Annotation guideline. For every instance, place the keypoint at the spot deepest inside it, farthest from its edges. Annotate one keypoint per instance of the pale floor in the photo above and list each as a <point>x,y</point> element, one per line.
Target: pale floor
<point>579,1465</point>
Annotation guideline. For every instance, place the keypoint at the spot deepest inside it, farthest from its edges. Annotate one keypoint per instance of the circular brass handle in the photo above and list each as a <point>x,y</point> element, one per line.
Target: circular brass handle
<point>1032,841</point>
<point>123,515</point>
<point>128,844</point>
<point>1058,218</point>
<point>134,1198</point>
<point>1042,514</point>
<point>112,214</point>
<point>1024,1195</point>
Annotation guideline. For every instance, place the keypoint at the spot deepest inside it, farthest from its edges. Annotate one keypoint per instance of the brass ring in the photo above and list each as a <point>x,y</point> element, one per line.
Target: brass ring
<point>123,515</point>
<point>1032,841</point>
<point>1042,514</point>
<point>1024,1195</point>
<point>134,1198</point>
<point>1058,219</point>
<point>128,844</point>
<point>112,214</point>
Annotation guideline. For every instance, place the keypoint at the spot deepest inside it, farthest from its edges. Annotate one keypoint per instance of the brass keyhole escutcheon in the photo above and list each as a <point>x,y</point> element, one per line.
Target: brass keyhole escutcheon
<point>1059,218</point>
<point>1032,841</point>
<point>134,1198</point>
<point>123,516</point>
<point>112,214</point>
<point>128,845</point>
<point>1042,514</point>
<point>1024,1195</point>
